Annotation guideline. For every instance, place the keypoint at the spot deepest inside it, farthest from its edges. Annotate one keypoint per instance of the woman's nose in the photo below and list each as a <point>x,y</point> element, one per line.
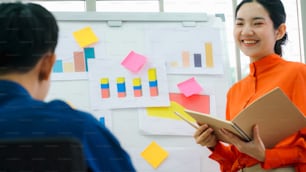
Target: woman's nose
<point>247,30</point>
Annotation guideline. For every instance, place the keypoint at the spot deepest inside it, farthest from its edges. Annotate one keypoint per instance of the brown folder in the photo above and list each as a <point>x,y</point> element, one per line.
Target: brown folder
<point>274,113</point>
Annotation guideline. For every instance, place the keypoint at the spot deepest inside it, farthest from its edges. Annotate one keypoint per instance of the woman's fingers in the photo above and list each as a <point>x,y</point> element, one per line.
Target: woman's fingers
<point>204,136</point>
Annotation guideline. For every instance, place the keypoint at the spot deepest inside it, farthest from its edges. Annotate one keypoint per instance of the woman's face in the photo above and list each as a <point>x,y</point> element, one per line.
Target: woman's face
<point>254,32</point>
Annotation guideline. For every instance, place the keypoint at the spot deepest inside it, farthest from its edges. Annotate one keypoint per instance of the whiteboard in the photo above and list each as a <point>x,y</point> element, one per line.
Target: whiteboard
<point>161,38</point>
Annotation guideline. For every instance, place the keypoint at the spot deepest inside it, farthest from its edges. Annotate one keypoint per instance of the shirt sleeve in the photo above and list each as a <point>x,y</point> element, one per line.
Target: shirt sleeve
<point>291,151</point>
<point>230,159</point>
<point>291,155</point>
<point>224,156</point>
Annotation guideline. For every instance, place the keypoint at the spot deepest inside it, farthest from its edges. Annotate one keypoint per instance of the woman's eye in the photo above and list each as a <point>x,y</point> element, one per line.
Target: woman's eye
<point>258,23</point>
<point>239,24</point>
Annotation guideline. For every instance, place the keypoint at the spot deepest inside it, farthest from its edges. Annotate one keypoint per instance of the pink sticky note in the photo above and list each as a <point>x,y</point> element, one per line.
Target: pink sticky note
<point>189,87</point>
<point>134,61</point>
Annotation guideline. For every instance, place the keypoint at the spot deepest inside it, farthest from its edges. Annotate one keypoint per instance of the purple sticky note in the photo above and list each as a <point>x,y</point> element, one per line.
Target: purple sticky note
<point>134,61</point>
<point>190,87</point>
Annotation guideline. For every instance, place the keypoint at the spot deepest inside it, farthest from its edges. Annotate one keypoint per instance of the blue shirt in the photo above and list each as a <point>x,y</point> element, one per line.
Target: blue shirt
<point>21,116</point>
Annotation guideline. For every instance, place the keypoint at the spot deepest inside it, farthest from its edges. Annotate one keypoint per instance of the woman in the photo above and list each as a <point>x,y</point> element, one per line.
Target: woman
<point>259,32</point>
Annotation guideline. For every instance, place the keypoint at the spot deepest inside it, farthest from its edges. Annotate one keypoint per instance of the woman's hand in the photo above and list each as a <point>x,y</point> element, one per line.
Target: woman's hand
<point>205,137</point>
<point>254,148</point>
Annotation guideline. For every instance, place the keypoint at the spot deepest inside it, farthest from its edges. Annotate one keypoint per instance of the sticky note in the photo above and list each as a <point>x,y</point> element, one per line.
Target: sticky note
<point>168,112</point>
<point>190,87</point>
<point>154,154</point>
<point>134,61</point>
<point>85,37</point>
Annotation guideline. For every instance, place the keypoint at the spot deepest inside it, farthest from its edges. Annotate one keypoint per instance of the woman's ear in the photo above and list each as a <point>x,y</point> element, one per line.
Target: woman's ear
<point>46,66</point>
<point>281,31</point>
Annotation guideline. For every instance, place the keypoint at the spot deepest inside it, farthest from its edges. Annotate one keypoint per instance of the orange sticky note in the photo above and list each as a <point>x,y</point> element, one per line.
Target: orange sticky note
<point>154,154</point>
<point>190,87</point>
<point>85,37</point>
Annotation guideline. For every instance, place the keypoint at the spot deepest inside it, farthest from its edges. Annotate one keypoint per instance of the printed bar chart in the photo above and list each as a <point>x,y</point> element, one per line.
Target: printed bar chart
<point>136,83</point>
<point>197,61</point>
<point>79,62</point>
<point>147,88</point>
<point>189,53</point>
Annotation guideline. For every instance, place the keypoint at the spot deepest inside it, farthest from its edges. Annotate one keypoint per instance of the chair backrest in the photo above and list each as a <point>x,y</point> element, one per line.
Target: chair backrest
<point>39,155</point>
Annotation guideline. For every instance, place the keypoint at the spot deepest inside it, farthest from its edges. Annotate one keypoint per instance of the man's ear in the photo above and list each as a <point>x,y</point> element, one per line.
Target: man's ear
<point>46,66</point>
<point>281,31</point>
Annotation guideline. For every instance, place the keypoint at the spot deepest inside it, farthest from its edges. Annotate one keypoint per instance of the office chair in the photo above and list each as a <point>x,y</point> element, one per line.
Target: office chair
<point>42,155</point>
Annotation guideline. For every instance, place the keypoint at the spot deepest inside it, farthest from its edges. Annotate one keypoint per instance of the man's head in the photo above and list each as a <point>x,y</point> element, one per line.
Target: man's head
<point>27,32</point>
<point>28,37</point>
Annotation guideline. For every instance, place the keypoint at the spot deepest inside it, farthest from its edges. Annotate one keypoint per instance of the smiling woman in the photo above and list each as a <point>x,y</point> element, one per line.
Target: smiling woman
<point>293,50</point>
<point>255,33</point>
<point>259,32</point>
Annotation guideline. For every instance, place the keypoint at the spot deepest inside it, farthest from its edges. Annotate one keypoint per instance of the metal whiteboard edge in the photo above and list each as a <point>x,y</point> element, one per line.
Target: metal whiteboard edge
<point>131,16</point>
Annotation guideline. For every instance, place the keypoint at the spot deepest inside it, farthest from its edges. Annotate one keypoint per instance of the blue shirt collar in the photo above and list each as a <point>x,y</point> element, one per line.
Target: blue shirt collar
<point>12,88</point>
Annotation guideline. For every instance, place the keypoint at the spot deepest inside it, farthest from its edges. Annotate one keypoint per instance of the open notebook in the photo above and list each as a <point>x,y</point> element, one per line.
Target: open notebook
<point>276,116</point>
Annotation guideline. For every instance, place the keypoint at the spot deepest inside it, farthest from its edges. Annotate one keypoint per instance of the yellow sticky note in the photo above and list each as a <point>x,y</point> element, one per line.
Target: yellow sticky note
<point>168,112</point>
<point>85,37</point>
<point>154,154</point>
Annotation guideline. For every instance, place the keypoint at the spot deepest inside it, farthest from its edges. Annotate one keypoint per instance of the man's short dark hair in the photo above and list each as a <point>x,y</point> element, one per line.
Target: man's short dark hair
<point>27,31</point>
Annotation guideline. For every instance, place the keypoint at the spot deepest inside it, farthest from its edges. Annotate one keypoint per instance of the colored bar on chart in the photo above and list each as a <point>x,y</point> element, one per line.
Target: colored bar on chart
<point>121,91</point>
<point>197,60</point>
<point>153,82</point>
<point>209,54</point>
<point>58,66</point>
<point>186,58</point>
<point>89,53</point>
<point>104,83</point>
<point>68,67</point>
<point>79,62</point>
<point>174,64</point>
<point>137,87</point>
<point>102,121</point>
